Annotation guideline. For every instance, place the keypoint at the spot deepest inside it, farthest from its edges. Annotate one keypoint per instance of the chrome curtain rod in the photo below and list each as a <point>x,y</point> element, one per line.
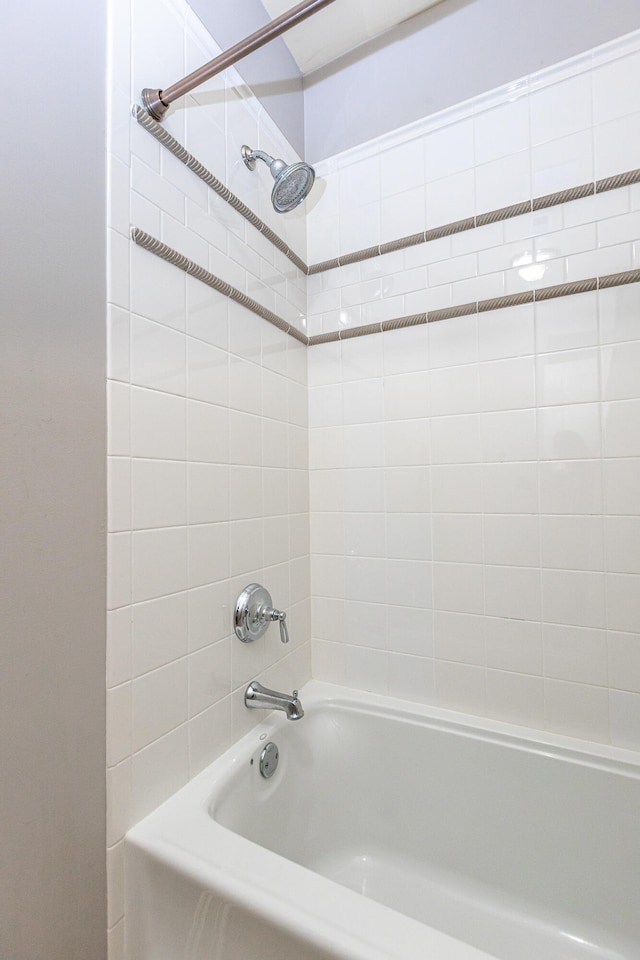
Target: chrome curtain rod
<point>157,102</point>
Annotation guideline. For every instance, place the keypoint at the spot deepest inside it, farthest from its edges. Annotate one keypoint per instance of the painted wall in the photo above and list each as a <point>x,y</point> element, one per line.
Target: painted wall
<point>53,504</point>
<point>271,72</point>
<point>208,453</point>
<point>474,509</point>
<point>453,52</point>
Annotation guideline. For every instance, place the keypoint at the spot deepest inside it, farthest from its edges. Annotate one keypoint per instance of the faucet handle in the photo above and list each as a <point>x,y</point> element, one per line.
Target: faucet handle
<point>280,615</point>
<point>284,633</point>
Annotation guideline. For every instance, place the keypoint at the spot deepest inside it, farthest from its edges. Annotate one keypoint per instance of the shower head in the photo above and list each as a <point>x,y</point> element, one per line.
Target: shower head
<point>292,182</point>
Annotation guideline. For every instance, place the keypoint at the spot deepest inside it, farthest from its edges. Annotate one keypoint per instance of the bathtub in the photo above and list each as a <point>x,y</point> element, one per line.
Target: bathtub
<point>392,831</point>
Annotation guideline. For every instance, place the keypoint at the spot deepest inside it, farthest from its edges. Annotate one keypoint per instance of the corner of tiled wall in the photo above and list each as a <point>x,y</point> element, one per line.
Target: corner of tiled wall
<point>208,446</point>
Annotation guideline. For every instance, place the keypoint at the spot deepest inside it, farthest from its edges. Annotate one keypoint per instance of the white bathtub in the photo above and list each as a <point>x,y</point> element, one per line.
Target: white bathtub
<point>393,831</point>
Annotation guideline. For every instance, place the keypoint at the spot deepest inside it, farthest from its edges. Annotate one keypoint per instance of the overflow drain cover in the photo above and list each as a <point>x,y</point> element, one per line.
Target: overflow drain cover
<point>269,760</point>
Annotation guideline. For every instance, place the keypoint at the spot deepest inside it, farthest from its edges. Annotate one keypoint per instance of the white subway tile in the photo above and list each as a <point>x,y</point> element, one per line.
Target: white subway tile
<point>118,494</point>
<point>367,668</point>
<point>453,341</point>
<point>118,277</point>
<point>508,436</point>
<point>621,428</point>
<point>408,536</point>
<point>460,686</point>
<point>158,771</point>
<point>363,401</point>
<point>570,376</point>
<point>454,390</point>
<point>159,703</point>
<point>507,384</point>
<point>617,145</point>
<point>502,182</point>
<point>624,661</point>
<point>573,598</point>
<point>407,490</point>
<point>159,631</point>
<point>576,709</point>
<point>571,487</point>
<point>621,485</point>
<point>575,653</point>
<point>619,308</point>
<point>515,698</point>
<point>512,592</point>
<point>458,587</point>
<point>209,676</point>
<point>159,562</point>
<point>158,425</point>
<point>401,215</point>
<point>563,163</point>
<point>501,131</point>
<point>157,357</point>
<point>457,488</point>
<point>455,439</point>
<point>118,343</point>
<point>561,108</point>
<point>118,724</point>
<point>624,711</point>
<point>623,602</point>
<point>622,544</point>
<point>449,199</point>
<point>511,540</point>
<point>401,168</point>
<point>411,678</point>
<point>364,579</point>
<point>567,322</point>
<point>118,570</point>
<point>459,637</point>
<point>406,396</point>
<point>209,735</point>
<point>449,150</point>
<point>510,487</point>
<point>571,431</point>
<point>514,645</point>
<point>406,443</point>
<point>208,372</point>
<point>118,646</point>
<point>614,84</point>
<point>360,182</point>
<point>572,543</point>
<point>457,537</point>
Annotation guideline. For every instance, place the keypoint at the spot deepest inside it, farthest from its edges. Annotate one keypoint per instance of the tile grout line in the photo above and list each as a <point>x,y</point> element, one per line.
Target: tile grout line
<point>159,249</point>
<point>593,188</point>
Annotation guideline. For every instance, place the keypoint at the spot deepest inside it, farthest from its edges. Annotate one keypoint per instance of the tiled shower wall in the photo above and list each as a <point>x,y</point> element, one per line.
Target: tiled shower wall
<point>475,482</point>
<point>208,446</point>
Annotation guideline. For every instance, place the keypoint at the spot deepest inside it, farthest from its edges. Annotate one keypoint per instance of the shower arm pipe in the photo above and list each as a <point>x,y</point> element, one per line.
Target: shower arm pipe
<point>157,102</point>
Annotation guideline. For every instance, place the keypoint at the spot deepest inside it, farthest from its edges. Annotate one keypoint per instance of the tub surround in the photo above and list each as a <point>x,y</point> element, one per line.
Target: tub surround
<point>471,481</point>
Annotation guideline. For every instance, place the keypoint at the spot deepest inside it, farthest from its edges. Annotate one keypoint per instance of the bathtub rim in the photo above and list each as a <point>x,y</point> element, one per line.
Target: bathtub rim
<point>286,894</point>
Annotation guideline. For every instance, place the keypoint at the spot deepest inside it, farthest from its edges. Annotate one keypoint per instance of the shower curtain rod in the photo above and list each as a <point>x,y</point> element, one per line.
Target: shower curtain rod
<point>157,102</point>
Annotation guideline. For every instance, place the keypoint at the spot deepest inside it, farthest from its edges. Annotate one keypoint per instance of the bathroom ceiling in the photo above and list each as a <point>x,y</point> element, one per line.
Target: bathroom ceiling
<point>342,26</point>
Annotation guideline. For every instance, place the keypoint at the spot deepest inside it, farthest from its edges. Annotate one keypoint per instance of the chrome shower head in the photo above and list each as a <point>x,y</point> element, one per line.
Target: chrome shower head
<point>292,182</point>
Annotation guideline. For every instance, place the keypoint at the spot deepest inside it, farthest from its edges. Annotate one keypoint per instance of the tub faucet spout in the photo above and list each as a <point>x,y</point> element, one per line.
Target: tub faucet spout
<point>257,696</point>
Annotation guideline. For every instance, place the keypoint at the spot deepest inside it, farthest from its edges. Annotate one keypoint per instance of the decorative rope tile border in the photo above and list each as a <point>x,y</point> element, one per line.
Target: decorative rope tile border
<point>167,253</point>
<point>448,229</point>
<point>175,147</point>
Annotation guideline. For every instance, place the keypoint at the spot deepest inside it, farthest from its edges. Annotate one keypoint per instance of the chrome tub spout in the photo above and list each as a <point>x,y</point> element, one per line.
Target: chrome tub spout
<point>258,697</point>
